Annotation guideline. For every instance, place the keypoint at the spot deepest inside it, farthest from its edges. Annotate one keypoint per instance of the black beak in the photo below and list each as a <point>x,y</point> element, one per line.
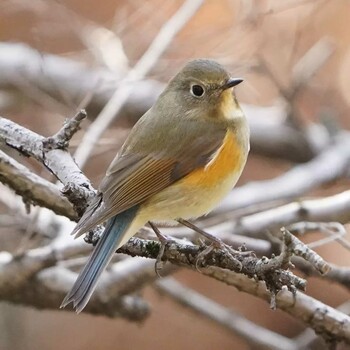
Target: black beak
<point>231,83</point>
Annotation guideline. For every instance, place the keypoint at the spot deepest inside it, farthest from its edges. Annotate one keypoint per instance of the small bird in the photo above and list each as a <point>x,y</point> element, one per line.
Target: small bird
<point>179,160</point>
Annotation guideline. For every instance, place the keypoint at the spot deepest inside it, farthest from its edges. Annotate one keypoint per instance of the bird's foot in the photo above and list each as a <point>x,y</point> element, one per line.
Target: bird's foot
<point>164,241</point>
<point>217,244</point>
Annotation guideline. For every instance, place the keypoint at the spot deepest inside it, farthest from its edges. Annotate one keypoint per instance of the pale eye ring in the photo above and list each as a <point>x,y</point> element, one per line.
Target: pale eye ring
<point>197,90</point>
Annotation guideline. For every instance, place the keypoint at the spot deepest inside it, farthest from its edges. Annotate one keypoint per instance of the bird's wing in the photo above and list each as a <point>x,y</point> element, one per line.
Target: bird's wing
<point>134,177</point>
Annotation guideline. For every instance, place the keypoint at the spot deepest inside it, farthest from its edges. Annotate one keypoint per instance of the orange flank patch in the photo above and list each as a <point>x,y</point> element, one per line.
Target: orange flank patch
<point>225,163</point>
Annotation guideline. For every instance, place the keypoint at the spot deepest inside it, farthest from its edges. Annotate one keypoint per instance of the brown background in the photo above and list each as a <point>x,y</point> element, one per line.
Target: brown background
<point>239,37</point>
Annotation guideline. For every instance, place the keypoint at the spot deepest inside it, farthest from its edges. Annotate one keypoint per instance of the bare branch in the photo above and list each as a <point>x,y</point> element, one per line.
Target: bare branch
<point>57,161</point>
<point>308,338</point>
<point>30,277</point>
<point>278,141</point>
<point>335,231</point>
<point>293,246</point>
<point>222,231</point>
<point>63,136</point>
<point>33,188</point>
<point>255,335</point>
<point>332,324</point>
<point>55,282</point>
<point>337,274</point>
<point>128,275</point>
<point>186,254</point>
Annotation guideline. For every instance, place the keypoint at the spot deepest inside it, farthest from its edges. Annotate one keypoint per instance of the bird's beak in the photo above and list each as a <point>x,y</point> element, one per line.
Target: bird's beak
<point>231,83</point>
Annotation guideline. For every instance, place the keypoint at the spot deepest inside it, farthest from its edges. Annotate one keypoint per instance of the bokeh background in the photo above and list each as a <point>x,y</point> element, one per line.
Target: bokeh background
<point>263,41</point>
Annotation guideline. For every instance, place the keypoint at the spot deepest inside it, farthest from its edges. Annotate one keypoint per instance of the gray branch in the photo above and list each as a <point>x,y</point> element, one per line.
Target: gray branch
<point>332,324</point>
<point>189,255</point>
<point>55,282</point>
<point>33,188</point>
<point>56,159</point>
<point>31,277</point>
<point>254,334</point>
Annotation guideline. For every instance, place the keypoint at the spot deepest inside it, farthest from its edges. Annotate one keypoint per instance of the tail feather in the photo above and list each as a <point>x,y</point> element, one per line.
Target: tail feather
<point>99,259</point>
<point>90,218</point>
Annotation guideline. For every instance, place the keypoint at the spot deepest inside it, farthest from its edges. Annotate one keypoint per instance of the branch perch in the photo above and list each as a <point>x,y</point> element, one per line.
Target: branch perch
<point>268,270</point>
<point>33,188</point>
<point>49,152</point>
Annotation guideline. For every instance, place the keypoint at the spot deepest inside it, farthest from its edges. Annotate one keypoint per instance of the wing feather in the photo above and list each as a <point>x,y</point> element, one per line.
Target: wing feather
<point>134,176</point>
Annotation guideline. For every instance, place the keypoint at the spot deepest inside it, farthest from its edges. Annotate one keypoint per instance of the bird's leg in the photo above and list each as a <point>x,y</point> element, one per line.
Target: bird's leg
<point>216,243</point>
<point>163,239</point>
<point>215,240</point>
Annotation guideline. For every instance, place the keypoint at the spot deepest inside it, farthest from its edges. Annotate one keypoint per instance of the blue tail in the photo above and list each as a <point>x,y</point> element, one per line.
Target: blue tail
<point>99,259</point>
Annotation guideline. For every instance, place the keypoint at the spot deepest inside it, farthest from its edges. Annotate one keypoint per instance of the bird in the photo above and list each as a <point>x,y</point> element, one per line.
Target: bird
<point>178,162</point>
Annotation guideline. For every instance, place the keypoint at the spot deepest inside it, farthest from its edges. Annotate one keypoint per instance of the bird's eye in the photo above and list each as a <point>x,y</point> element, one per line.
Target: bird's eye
<point>197,90</point>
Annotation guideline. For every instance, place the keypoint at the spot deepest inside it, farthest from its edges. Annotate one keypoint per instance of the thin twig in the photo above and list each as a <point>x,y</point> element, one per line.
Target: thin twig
<point>334,230</point>
<point>64,135</point>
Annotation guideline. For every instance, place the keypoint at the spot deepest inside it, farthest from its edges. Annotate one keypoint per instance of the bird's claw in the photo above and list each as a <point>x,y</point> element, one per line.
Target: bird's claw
<point>164,240</point>
<point>159,264</point>
<point>218,244</point>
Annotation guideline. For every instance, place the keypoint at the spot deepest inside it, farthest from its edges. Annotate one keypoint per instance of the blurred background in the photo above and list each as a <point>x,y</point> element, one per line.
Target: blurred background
<point>59,56</point>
